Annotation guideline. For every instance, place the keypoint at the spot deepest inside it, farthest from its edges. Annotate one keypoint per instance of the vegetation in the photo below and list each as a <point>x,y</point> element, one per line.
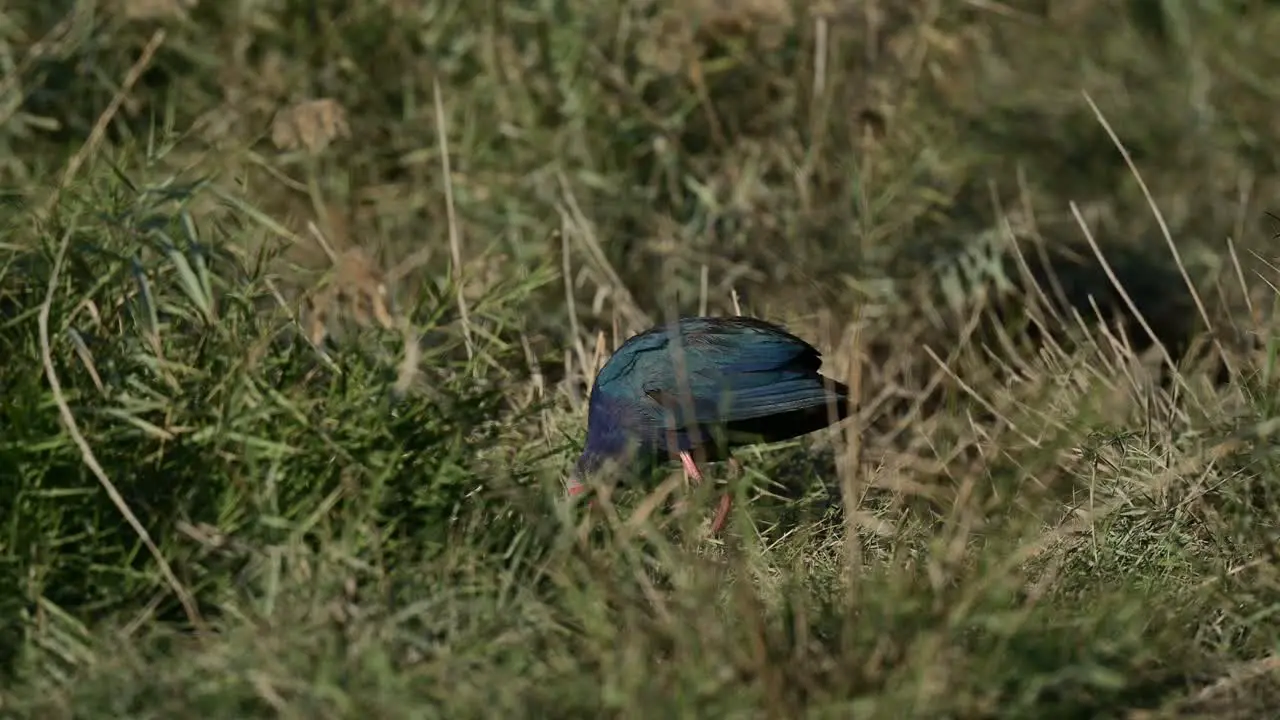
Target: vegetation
<point>300,302</point>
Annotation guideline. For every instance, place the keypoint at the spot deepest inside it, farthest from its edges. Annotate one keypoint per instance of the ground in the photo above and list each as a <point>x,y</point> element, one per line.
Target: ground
<point>300,303</point>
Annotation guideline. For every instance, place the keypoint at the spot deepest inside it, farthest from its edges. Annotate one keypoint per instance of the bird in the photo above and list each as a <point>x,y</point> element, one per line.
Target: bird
<point>704,385</point>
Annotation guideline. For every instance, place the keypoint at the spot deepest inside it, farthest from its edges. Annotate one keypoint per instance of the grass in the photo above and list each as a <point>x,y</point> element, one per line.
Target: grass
<point>299,306</point>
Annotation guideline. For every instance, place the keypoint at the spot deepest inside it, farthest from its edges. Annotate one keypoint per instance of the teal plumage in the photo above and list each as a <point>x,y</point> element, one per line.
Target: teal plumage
<point>705,385</point>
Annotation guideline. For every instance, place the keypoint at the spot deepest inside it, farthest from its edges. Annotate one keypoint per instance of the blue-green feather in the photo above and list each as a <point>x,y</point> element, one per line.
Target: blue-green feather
<point>708,383</point>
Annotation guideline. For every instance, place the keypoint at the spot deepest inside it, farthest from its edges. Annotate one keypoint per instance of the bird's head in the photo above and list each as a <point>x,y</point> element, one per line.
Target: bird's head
<point>596,462</point>
<point>588,463</point>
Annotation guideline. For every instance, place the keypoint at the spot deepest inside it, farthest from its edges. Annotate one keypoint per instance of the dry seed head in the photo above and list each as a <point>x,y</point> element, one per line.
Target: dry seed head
<point>312,125</point>
<point>355,292</point>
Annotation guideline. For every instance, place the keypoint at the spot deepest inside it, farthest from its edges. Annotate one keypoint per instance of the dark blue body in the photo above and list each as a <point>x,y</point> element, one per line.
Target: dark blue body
<point>706,384</point>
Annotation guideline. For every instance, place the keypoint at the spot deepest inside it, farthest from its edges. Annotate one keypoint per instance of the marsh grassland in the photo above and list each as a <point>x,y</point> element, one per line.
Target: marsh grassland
<point>299,304</point>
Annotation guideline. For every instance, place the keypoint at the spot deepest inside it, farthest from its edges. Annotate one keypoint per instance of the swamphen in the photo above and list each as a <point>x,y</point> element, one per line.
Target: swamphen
<point>705,384</point>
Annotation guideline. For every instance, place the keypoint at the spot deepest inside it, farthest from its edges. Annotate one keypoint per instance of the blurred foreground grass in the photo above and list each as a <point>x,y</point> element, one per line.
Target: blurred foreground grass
<point>321,392</point>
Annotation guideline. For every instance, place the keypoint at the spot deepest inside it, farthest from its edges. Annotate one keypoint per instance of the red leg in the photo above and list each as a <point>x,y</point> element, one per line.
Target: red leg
<point>722,514</point>
<point>690,467</point>
<point>691,472</point>
<point>726,502</point>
